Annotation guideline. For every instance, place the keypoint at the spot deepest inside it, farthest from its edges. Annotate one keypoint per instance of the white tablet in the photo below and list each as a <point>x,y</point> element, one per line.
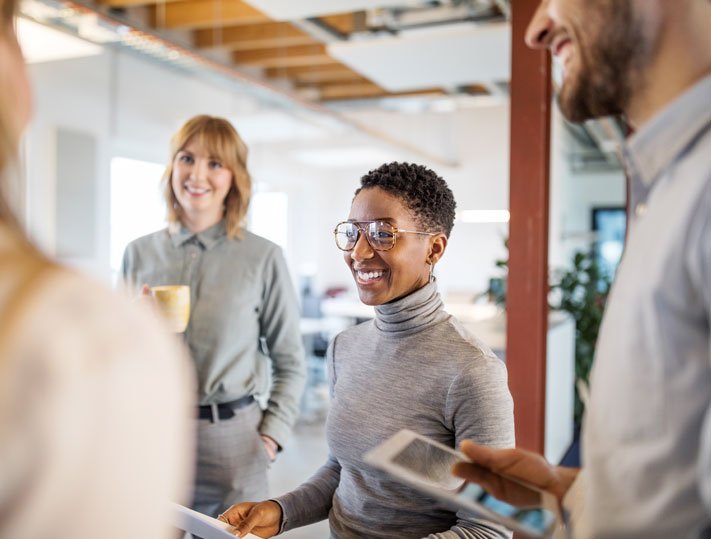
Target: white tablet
<point>203,526</point>
<point>426,465</point>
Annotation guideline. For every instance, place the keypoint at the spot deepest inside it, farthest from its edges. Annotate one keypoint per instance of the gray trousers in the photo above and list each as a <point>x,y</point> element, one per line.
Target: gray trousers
<point>232,462</point>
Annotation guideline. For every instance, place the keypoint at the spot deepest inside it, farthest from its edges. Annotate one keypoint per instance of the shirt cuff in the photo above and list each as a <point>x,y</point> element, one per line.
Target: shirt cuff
<point>286,512</point>
<point>282,524</point>
<point>275,428</point>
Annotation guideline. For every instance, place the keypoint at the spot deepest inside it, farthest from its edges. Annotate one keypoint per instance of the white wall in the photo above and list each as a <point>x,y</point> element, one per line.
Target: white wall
<point>70,94</point>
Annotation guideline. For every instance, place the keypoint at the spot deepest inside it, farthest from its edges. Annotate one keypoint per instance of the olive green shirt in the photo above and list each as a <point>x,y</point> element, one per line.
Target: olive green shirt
<point>243,333</point>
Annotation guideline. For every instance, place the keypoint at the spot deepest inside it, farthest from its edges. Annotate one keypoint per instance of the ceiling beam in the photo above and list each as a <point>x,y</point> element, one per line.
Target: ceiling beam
<point>345,23</point>
<point>363,90</point>
<point>350,91</point>
<point>206,14</point>
<point>252,37</point>
<point>294,71</point>
<point>128,3</point>
<point>354,79</point>
<point>315,74</point>
<point>306,55</point>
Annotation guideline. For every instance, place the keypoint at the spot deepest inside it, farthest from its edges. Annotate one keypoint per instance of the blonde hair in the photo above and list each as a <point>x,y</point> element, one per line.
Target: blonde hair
<point>9,135</point>
<point>222,142</point>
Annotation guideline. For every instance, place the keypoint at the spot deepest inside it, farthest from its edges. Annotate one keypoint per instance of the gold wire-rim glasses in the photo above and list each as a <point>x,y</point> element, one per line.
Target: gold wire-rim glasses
<point>360,227</point>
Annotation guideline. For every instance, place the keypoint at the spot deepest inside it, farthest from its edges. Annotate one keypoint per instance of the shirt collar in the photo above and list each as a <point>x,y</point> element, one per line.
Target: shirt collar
<point>661,140</point>
<point>208,238</point>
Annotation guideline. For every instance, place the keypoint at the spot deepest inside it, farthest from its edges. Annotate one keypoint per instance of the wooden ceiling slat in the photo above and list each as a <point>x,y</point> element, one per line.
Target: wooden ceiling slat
<point>128,3</point>
<point>331,75</point>
<point>293,71</point>
<point>315,74</point>
<point>354,79</point>
<point>350,91</point>
<point>206,14</point>
<point>360,90</point>
<point>344,22</point>
<point>284,57</point>
<point>253,37</point>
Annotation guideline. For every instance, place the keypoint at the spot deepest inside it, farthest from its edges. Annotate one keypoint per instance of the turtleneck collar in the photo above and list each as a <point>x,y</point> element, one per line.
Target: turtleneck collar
<point>415,312</point>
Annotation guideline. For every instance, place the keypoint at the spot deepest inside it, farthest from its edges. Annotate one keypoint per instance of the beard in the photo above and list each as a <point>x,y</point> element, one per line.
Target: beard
<point>609,65</point>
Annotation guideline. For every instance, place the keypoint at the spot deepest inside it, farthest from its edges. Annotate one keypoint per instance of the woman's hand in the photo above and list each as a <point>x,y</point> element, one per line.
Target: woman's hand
<point>262,519</point>
<point>145,296</point>
<point>490,467</point>
<point>271,447</point>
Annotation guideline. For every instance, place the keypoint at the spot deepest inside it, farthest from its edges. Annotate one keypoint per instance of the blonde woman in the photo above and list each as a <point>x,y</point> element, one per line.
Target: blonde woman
<point>244,320</point>
<point>93,395</point>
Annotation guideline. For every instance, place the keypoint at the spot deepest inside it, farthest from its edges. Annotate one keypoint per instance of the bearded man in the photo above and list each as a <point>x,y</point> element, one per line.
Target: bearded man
<point>647,433</point>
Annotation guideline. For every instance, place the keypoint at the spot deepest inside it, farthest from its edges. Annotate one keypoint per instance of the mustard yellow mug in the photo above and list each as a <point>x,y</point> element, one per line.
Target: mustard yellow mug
<point>174,303</point>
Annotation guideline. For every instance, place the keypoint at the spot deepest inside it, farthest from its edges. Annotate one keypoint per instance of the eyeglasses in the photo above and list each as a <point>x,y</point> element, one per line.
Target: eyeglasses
<point>381,235</point>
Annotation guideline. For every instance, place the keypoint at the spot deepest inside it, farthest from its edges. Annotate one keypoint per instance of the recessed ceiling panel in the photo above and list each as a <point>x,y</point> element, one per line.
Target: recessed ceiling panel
<point>439,57</point>
<point>286,10</point>
<point>41,43</point>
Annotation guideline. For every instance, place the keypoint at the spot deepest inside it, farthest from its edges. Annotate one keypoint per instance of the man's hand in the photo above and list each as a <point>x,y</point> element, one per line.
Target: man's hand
<point>490,467</point>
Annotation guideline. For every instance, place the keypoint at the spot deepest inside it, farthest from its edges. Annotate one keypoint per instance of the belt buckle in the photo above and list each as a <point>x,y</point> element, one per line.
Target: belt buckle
<point>215,413</point>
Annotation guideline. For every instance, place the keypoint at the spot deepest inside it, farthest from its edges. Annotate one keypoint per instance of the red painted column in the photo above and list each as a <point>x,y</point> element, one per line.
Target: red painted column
<point>526,298</point>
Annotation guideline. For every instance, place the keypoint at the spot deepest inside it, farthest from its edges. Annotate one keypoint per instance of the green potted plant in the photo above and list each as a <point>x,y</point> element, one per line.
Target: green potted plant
<point>582,291</point>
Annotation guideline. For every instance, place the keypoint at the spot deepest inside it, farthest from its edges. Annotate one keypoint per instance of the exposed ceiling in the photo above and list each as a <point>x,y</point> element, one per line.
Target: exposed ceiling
<point>404,53</point>
<point>331,50</point>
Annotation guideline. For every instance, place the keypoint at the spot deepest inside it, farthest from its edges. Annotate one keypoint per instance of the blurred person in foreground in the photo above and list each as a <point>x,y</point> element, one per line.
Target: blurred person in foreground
<point>414,366</point>
<point>94,394</point>
<point>243,332</point>
<point>646,447</point>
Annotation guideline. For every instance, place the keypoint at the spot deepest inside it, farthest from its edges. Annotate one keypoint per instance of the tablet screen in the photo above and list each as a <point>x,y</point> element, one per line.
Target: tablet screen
<point>432,465</point>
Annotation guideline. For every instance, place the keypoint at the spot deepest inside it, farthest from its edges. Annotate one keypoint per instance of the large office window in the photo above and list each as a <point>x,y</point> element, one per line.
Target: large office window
<point>137,206</point>
<point>268,216</point>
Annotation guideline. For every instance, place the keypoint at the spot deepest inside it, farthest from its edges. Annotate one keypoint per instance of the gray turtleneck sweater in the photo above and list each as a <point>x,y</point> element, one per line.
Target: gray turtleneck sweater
<point>414,366</point>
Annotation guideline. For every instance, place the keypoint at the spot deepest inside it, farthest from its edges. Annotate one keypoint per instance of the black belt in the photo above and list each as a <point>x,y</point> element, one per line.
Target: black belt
<point>224,410</point>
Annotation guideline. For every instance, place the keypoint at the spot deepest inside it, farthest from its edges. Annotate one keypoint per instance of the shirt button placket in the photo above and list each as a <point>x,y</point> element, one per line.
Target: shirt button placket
<point>192,263</point>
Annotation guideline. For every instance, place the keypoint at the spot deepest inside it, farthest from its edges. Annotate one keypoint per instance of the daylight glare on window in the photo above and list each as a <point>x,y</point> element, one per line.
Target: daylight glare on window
<point>268,216</point>
<point>137,206</point>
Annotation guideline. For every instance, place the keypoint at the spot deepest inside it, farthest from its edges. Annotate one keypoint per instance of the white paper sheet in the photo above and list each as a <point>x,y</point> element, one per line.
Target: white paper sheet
<point>202,525</point>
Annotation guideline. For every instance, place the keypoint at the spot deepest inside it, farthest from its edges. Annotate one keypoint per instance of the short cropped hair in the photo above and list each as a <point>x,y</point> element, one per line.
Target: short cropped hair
<point>223,142</point>
<point>424,193</point>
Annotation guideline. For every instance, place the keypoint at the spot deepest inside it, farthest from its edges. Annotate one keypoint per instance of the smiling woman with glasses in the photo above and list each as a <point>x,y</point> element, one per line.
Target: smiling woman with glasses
<point>414,366</point>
